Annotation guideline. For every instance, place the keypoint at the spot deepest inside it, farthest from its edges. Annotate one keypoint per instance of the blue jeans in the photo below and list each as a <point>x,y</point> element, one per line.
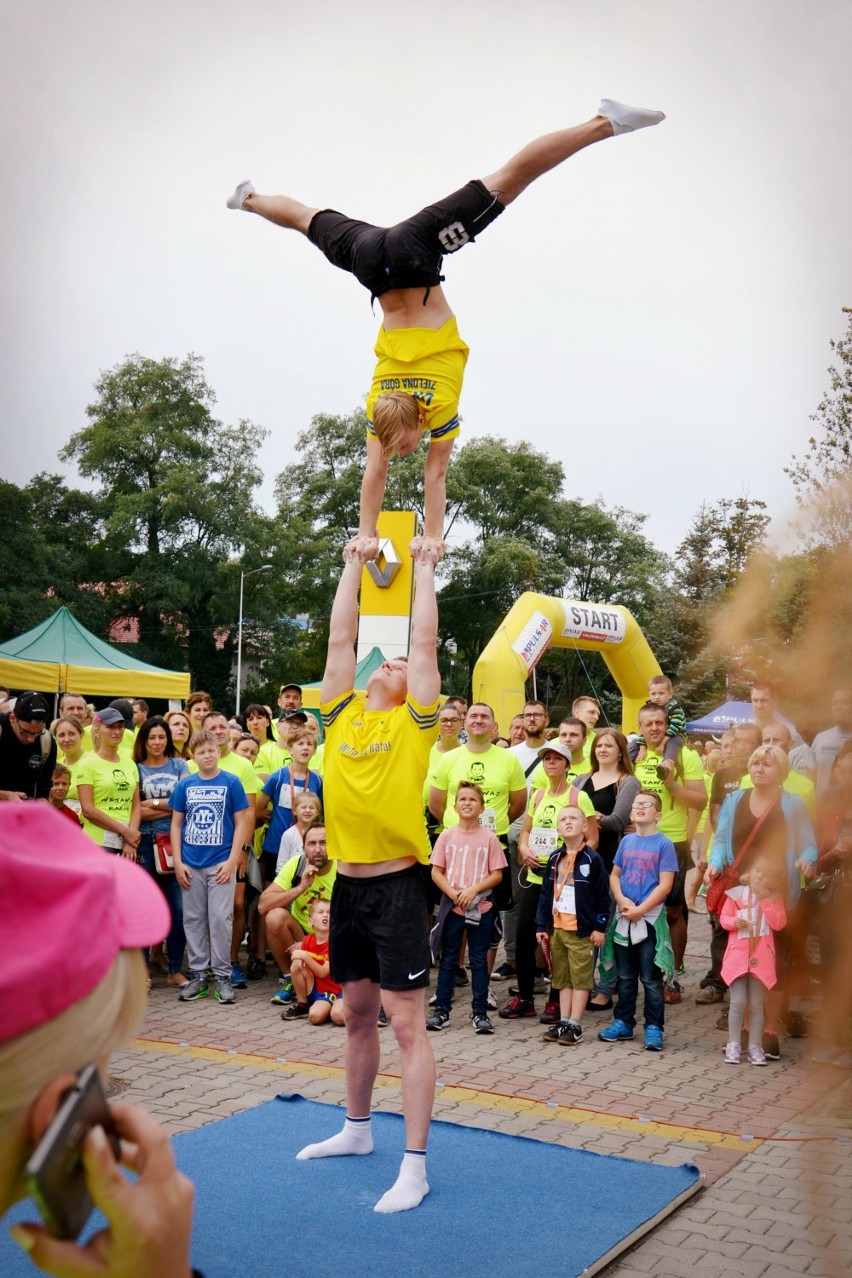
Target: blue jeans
<point>635,963</point>
<point>171,890</point>
<point>478,941</point>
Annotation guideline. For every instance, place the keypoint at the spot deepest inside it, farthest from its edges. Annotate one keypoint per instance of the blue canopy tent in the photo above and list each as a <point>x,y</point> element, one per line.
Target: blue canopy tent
<point>725,716</point>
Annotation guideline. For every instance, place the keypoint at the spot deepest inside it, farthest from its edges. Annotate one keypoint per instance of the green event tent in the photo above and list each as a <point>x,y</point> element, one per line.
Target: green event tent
<point>60,655</point>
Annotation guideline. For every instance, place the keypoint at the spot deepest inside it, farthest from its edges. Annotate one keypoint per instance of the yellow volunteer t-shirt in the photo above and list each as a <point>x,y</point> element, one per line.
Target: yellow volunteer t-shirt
<point>675,816</point>
<point>543,810</point>
<point>270,757</point>
<point>496,771</point>
<point>373,769</point>
<point>320,890</point>
<point>427,363</point>
<point>113,786</point>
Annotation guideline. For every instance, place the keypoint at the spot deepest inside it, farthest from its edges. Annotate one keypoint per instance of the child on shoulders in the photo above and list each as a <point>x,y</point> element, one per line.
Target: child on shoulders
<point>661,695</point>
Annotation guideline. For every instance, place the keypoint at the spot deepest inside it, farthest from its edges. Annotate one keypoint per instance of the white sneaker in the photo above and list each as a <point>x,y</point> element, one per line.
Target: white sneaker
<point>733,1054</point>
<point>490,1000</point>
<point>627,119</point>
<point>237,200</point>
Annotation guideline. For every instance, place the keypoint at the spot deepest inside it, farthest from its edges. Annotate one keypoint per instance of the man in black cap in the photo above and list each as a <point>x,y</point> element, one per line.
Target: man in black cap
<point>290,697</point>
<point>27,750</point>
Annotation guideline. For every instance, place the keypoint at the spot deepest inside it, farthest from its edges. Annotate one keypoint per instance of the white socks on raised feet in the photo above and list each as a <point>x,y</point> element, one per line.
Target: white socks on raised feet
<point>237,200</point>
<point>411,1185</point>
<point>627,119</point>
<point>356,1138</point>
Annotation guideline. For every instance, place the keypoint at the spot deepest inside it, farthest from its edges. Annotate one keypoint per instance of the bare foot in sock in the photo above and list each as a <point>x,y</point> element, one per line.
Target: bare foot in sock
<point>627,119</point>
<point>411,1186</point>
<point>356,1138</point>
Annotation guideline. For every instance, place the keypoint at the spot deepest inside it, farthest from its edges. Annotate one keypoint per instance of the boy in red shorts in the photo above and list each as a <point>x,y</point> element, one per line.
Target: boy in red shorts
<point>317,996</point>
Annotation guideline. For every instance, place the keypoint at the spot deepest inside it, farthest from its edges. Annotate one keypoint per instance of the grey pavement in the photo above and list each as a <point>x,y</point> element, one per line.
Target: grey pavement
<point>774,1144</point>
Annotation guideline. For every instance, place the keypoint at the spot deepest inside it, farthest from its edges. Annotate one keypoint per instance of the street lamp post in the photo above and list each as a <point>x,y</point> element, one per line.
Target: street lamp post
<point>243,575</point>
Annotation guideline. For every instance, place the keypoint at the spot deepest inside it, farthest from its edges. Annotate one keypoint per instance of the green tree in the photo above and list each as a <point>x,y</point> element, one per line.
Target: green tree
<point>51,538</point>
<point>177,487</point>
<point>822,475</point>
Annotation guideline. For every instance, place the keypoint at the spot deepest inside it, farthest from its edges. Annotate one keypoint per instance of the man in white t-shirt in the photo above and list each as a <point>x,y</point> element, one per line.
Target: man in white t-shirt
<point>826,744</point>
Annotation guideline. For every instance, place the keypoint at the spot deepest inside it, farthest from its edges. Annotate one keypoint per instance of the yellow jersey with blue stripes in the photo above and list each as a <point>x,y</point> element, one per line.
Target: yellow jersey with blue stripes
<point>427,363</point>
<point>373,769</point>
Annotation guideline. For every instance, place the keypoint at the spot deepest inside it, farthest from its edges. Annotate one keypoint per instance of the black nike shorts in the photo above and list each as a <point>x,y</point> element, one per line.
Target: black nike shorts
<point>409,254</point>
<point>379,930</point>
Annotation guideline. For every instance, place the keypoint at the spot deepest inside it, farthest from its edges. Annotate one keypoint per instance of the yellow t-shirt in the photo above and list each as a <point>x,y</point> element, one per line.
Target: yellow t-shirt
<point>427,363</point>
<point>270,757</point>
<point>320,890</point>
<point>674,820</point>
<point>543,810</point>
<point>113,785</point>
<point>373,769</point>
<point>496,771</point>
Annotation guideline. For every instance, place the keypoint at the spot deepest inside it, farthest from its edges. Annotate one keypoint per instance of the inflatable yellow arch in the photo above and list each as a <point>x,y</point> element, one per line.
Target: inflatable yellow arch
<point>537,622</point>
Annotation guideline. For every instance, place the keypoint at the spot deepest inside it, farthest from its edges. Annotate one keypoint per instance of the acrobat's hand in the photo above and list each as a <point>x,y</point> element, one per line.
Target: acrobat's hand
<point>361,548</point>
<point>427,550</point>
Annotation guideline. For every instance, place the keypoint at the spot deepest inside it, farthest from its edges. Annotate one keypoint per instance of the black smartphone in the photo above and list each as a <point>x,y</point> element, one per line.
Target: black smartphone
<point>54,1173</point>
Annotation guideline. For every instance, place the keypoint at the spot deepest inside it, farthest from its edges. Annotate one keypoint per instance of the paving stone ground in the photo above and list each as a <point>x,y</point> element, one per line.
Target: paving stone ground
<point>774,1144</point>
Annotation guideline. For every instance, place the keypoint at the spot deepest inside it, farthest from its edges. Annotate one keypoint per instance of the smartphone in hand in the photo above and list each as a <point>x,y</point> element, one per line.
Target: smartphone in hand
<point>54,1173</point>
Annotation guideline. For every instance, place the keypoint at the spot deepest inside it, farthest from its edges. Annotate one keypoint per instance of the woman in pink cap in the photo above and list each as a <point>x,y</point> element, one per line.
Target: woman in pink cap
<point>92,914</point>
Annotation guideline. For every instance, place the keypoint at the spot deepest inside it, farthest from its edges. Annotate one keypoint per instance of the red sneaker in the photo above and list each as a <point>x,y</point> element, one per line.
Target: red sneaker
<point>550,1015</point>
<point>517,1008</point>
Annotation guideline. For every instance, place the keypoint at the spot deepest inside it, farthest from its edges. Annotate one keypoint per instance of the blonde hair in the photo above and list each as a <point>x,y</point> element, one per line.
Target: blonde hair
<point>300,733</point>
<point>305,796</point>
<point>393,414</point>
<point>777,756</point>
<point>660,681</point>
<point>89,1029</point>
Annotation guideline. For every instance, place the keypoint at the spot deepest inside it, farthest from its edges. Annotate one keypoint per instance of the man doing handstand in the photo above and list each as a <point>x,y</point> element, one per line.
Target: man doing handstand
<point>376,757</point>
<point>421,357</point>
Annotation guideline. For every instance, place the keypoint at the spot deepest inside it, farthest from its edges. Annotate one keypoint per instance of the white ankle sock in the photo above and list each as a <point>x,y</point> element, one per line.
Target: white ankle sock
<point>356,1138</point>
<point>627,119</point>
<point>237,200</point>
<point>411,1186</point>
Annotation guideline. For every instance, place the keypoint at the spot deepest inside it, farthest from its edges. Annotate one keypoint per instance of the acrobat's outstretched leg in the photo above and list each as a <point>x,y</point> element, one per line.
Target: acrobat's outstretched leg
<point>546,152</point>
<point>280,209</point>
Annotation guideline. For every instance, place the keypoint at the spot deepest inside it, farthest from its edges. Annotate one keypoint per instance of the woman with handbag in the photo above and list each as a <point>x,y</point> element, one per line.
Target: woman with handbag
<point>768,822</point>
<point>159,772</point>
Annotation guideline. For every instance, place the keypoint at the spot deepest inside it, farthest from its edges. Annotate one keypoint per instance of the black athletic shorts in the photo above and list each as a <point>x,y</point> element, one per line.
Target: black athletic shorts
<point>379,930</point>
<point>409,254</point>
<point>677,896</point>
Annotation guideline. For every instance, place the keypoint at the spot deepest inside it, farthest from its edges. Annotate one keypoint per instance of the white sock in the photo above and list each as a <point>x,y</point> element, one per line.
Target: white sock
<point>411,1186</point>
<point>356,1138</point>
<point>237,200</point>
<point>627,119</point>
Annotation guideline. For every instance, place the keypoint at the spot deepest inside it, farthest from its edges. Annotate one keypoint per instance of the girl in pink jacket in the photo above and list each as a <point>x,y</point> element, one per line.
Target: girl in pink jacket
<point>750,914</point>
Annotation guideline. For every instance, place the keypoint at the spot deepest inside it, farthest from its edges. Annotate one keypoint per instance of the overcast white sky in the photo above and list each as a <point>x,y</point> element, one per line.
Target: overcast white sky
<point>655,314</point>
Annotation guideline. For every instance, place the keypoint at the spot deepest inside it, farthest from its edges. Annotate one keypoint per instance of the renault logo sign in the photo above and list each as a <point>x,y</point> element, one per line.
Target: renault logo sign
<point>384,568</point>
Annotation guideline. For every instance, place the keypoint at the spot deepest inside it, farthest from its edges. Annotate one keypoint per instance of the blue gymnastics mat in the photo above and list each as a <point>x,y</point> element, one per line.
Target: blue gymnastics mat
<point>499,1205</point>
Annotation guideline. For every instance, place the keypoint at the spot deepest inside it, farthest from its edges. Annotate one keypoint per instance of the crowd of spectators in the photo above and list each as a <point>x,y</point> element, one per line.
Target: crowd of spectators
<point>196,797</point>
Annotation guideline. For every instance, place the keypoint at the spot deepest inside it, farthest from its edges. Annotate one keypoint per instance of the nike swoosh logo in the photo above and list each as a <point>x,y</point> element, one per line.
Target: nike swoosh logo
<point>412,976</point>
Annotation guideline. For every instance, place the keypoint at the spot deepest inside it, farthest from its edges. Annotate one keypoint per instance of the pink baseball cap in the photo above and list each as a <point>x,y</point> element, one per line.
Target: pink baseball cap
<point>66,909</point>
